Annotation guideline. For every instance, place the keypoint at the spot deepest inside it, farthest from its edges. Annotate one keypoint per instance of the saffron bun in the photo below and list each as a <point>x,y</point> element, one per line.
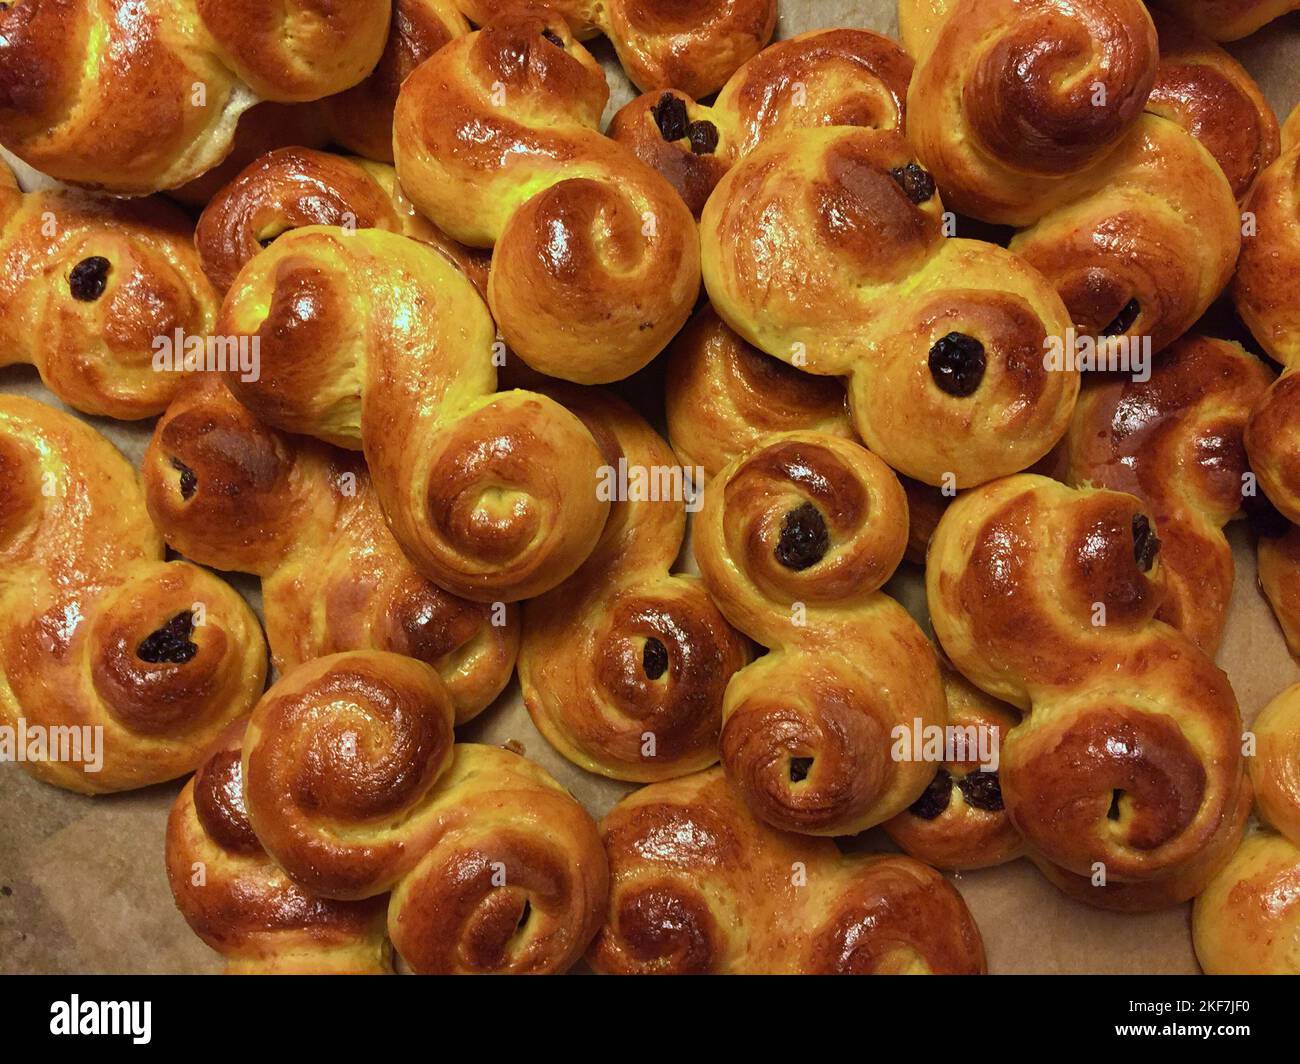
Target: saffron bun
<point>133,98</point>
<point>838,77</point>
<point>87,286</point>
<point>290,188</point>
<point>227,491</point>
<point>595,262</point>
<point>693,45</point>
<point>723,395</point>
<point>1228,20</point>
<point>242,904</point>
<point>1264,296</point>
<point>1207,92</point>
<point>960,821</point>
<point>1176,442</point>
<point>1041,117</point>
<point>699,885</point>
<point>360,119</point>
<point>1247,921</point>
<point>147,660</point>
<point>794,542</point>
<point>1046,597</point>
<point>826,248</point>
<point>493,867</point>
<point>623,667</point>
<point>372,341</point>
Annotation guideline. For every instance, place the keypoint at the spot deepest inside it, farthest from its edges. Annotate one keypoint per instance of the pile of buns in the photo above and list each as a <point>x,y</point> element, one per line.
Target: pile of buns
<point>853,260</point>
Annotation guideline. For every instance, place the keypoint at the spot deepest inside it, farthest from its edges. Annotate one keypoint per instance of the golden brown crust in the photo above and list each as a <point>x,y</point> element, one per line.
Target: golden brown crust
<point>1208,93</point>
<point>596,259</point>
<point>340,762</point>
<point>88,290</point>
<point>235,494</point>
<point>826,248</point>
<point>515,880</point>
<point>241,903</point>
<point>794,542</point>
<point>1176,442</point>
<point>840,77</point>
<point>361,119</point>
<point>1279,578</point>
<point>723,396</point>
<point>692,45</point>
<point>1264,293</point>
<point>700,886</point>
<point>1275,768</point>
<point>1130,756</point>
<point>1247,922</point>
<point>960,821</point>
<point>372,340</point>
<point>1229,20</point>
<point>623,666</point>
<point>136,98</point>
<point>101,633</point>
<point>1036,115</point>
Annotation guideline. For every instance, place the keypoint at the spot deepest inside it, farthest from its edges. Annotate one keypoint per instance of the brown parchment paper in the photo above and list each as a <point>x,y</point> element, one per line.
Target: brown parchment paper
<point>82,884</point>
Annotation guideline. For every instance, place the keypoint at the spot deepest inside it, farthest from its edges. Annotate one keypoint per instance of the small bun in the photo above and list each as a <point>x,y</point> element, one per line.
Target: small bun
<point>699,886</point>
<point>138,663</point>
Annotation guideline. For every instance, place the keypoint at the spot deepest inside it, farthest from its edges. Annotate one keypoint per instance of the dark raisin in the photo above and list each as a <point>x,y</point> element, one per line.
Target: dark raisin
<point>170,643</point>
<point>915,181</point>
<point>804,538</point>
<point>1113,812</point>
<point>654,658</point>
<point>553,37</point>
<point>89,278</point>
<point>670,117</point>
<point>799,768</point>
<point>703,136</point>
<point>957,364</point>
<point>189,479</point>
<point>983,790</point>
<point>934,800</point>
<point>1125,321</point>
<point>1146,545</point>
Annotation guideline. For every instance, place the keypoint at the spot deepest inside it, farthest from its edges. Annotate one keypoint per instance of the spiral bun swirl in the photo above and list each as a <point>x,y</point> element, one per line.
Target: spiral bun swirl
<point>1264,293</point>
<point>84,301</point>
<point>340,761</point>
<point>140,662</point>
<point>596,259</point>
<point>1175,441</point>
<point>700,886</point>
<point>692,45</point>
<point>1042,115</point>
<point>1130,756</point>
<point>136,98</point>
<point>241,903</point>
<point>724,395</point>
<point>794,542</point>
<point>960,821</point>
<point>826,249</point>
<point>230,492</point>
<point>840,77</point>
<point>372,340</point>
<point>515,880</point>
<point>623,667</point>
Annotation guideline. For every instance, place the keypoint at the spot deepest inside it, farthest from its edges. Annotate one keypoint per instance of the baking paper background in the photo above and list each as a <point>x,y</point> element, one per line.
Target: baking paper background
<point>82,883</point>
